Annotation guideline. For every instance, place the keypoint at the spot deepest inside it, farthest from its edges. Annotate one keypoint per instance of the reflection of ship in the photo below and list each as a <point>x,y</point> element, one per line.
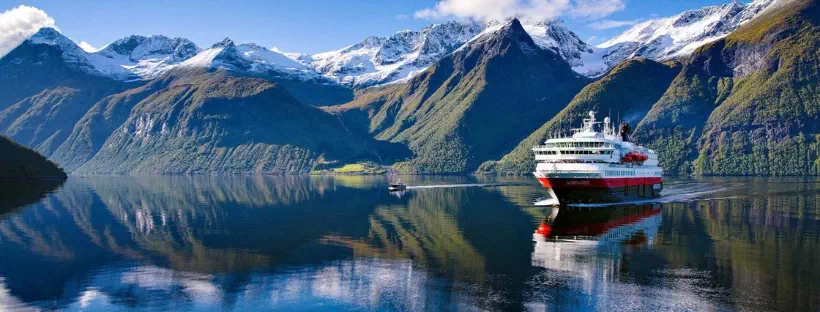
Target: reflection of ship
<point>568,238</point>
<point>592,166</point>
<point>397,186</point>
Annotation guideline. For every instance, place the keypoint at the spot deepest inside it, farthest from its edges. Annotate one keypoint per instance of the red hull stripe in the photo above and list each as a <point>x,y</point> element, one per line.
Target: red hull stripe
<point>597,183</point>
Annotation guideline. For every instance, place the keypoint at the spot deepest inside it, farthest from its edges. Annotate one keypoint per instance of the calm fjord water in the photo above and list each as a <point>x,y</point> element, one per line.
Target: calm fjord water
<point>344,243</point>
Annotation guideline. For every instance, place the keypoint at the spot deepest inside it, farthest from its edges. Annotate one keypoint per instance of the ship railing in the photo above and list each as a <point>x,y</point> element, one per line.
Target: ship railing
<point>572,174</point>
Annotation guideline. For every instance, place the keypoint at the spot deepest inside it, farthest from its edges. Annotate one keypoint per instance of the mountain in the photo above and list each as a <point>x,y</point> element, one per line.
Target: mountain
<point>746,104</point>
<point>99,122</point>
<point>49,84</point>
<point>17,161</point>
<point>473,105</point>
<point>256,61</point>
<point>680,35</point>
<point>217,122</point>
<point>147,57</point>
<point>378,60</point>
<point>583,58</point>
<point>45,60</point>
<point>629,90</point>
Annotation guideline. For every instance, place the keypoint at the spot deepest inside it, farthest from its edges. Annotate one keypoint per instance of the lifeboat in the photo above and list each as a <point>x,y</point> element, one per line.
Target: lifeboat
<point>643,157</point>
<point>634,156</point>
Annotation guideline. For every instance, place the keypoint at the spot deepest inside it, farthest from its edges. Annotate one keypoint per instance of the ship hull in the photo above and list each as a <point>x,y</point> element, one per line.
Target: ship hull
<point>603,190</point>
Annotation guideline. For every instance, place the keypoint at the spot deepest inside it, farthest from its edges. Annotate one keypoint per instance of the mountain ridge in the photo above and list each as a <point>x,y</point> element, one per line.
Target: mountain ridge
<point>440,114</point>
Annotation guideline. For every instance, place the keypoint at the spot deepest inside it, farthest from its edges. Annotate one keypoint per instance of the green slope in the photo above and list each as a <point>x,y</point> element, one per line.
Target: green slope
<point>217,123</point>
<point>473,105</point>
<point>17,161</point>
<point>99,122</point>
<point>628,90</point>
<point>747,104</point>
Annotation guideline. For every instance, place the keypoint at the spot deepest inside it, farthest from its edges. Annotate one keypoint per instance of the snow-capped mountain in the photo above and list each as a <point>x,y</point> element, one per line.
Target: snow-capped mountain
<point>147,57</point>
<point>76,57</point>
<point>378,60</point>
<point>557,37</point>
<point>134,57</point>
<point>251,58</point>
<point>679,35</point>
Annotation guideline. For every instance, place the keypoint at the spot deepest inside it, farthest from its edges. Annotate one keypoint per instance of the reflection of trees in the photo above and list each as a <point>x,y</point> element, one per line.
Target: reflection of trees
<point>16,193</point>
<point>765,249</point>
<point>425,230</point>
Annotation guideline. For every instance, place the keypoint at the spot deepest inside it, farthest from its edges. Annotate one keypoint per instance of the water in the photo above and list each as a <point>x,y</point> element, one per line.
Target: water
<point>449,243</point>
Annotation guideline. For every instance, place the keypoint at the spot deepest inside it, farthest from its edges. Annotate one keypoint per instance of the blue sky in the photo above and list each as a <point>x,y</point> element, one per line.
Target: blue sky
<point>308,26</point>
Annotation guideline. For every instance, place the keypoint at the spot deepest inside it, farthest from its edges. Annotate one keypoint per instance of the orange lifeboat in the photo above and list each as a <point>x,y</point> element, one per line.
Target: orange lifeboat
<point>643,157</point>
<point>634,156</point>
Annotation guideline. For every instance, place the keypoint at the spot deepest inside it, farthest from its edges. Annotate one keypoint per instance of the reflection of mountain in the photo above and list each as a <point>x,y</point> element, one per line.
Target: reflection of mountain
<point>752,246</point>
<point>193,224</point>
<point>425,230</point>
<point>211,243</point>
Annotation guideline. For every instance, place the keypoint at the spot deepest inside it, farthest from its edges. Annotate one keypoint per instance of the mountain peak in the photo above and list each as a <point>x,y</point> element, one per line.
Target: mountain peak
<point>48,35</point>
<point>513,26</point>
<point>227,42</point>
<point>513,30</point>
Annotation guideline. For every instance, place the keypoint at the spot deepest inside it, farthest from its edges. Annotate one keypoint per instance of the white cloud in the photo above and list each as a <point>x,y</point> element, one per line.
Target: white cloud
<point>595,9</point>
<point>87,47</point>
<point>19,23</point>
<point>592,40</point>
<point>402,17</point>
<point>530,10</point>
<point>609,24</point>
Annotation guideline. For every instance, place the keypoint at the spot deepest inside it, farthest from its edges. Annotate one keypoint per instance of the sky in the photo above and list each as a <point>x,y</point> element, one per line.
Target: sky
<point>311,26</point>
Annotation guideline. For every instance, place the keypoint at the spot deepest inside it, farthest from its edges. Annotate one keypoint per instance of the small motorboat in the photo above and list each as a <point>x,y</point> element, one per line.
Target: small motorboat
<point>397,186</point>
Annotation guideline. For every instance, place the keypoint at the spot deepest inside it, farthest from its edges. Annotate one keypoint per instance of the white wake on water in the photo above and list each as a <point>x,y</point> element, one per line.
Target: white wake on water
<point>410,187</point>
<point>677,193</point>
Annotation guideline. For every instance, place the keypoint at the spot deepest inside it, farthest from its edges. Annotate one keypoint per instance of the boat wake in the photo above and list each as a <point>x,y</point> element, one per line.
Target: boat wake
<point>677,193</point>
<point>464,185</point>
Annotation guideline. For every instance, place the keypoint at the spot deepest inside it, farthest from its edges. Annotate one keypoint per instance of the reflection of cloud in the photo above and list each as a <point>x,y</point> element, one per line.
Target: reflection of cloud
<point>367,284</point>
<point>91,295</point>
<point>11,303</point>
<point>198,286</point>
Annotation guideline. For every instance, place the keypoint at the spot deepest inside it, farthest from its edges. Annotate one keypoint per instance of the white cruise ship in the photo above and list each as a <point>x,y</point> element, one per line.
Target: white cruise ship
<point>592,166</point>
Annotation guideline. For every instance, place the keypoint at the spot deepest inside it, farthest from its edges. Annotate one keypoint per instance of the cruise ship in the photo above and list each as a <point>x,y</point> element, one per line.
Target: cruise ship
<point>591,166</point>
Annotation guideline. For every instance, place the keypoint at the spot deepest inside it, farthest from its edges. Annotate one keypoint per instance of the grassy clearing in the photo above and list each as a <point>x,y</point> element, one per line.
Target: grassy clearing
<point>367,168</point>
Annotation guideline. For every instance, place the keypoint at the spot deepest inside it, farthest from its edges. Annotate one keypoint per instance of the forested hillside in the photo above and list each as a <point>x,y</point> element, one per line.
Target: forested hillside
<point>17,161</point>
<point>628,91</point>
<point>747,104</point>
<point>472,106</point>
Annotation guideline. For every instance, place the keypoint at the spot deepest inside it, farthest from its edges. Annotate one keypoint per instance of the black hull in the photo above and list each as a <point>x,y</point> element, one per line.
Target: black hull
<point>607,195</point>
